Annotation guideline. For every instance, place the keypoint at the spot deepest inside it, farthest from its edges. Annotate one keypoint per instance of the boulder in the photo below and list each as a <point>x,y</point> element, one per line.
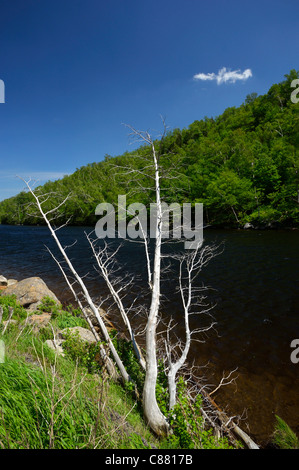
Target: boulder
<point>11,282</point>
<point>3,281</point>
<point>84,333</point>
<point>30,291</point>
<point>33,307</point>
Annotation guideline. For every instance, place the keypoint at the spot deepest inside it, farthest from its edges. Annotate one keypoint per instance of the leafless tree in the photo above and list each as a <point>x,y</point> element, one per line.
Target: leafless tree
<point>190,264</point>
<point>193,303</point>
<point>40,200</point>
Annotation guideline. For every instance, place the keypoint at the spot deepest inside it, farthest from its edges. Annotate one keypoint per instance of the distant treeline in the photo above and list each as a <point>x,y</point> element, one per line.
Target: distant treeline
<point>242,165</point>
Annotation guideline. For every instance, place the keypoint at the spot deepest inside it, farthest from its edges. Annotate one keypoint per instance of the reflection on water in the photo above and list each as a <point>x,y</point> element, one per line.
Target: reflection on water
<point>257,310</point>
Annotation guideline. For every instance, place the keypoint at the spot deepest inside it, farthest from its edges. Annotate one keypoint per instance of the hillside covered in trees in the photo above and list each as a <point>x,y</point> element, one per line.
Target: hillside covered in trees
<point>242,165</point>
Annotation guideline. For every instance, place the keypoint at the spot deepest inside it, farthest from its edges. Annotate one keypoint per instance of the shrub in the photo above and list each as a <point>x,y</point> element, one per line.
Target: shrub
<point>187,425</point>
<point>49,305</point>
<point>83,353</point>
<point>7,301</point>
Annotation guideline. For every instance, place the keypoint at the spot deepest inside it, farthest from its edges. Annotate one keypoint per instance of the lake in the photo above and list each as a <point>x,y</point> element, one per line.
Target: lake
<point>255,289</point>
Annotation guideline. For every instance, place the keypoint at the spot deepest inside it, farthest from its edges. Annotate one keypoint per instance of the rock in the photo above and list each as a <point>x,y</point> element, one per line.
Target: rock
<point>84,333</point>
<point>39,321</point>
<point>248,226</point>
<point>11,282</point>
<point>3,281</point>
<point>30,291</point>
<point>55,345</point>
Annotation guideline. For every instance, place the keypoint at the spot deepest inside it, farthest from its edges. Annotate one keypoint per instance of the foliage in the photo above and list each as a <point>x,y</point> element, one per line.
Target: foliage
<point>126,351</point>
<point>84,354</point>
<point>284,437</point>
<point>243,162</point>
<point>63,318</point>
<point>10,301</point>
<point>188,430</point>
<point>49,305</point>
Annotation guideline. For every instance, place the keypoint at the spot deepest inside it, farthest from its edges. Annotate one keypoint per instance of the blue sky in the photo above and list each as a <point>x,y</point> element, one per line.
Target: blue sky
<point>75,70</point>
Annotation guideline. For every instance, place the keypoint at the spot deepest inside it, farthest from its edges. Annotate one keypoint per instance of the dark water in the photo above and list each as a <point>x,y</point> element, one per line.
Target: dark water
<point>256,282</point>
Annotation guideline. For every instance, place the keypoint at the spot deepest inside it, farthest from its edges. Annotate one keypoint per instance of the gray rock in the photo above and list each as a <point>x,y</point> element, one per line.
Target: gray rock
<point>33,307</point>
<point>3,281</point>
<point>30,291</point>
<point>84,333</point>
<point>55,345</point>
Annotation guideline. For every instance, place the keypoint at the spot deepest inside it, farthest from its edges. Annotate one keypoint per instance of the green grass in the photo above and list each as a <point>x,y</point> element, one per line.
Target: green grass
<point>53,402</point>
<point>284,437</point>
<point>48,402</point>
<point>68,402</point>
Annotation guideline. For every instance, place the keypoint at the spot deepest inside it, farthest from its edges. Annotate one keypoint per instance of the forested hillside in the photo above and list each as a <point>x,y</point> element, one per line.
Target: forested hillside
<point>242,165</point>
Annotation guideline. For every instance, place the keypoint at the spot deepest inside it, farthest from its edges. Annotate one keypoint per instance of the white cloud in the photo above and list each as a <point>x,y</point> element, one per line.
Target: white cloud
<point>224,75</point>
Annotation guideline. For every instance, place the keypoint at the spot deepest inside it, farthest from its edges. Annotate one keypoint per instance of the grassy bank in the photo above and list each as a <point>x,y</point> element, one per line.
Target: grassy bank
<point>51,401</point>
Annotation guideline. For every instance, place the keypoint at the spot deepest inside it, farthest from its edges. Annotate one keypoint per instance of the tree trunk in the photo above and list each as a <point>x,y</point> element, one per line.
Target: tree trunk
<point>153,415</point>
<point>171,388</point>
<point>155,419</point>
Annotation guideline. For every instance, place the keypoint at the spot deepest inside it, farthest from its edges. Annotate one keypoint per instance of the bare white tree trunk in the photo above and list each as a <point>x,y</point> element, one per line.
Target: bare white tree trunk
<point>152,412</point>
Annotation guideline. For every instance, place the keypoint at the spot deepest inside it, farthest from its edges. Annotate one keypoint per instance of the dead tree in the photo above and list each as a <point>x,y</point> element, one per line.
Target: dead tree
<point>151,170</point>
